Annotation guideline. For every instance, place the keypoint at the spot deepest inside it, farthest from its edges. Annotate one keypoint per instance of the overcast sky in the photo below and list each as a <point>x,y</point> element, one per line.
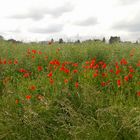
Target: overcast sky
<point>45,19</point>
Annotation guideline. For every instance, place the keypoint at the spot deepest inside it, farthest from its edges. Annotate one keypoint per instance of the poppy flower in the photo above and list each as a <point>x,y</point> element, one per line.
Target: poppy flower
<point>26,75</point>
<point>50,74</point>
<point>126,78</point>
<point>28,97</point>
<point>104,66</point>
<point>119,83</point>
<point>76,84</point>
<point>16,101</point>
<point>66,81</point>
<point>103,84</point>
<point>123,61</point>
<point>118,71</point>
<point>95,74</point>
<point>33,87</point>
<point>39,68</point>
<point>22,70</point>
<point>16,62</point>
<point>75,71</point>
<point>138,93</point>
<point>51,81</point>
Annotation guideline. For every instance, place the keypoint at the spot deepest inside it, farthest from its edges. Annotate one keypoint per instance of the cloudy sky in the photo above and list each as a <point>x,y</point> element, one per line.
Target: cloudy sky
<point>34,20</point>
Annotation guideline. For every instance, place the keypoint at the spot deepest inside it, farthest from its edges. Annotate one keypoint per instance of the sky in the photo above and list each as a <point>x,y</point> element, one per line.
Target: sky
<point>38,20</point>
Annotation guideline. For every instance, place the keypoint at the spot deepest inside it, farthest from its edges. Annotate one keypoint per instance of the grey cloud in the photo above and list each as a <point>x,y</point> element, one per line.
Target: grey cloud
<point>15,31</point>
<point>48,30</point>
<point>87,22</point>
<point>60,10</point>
<point>38,14</point>
<point>132,25</point>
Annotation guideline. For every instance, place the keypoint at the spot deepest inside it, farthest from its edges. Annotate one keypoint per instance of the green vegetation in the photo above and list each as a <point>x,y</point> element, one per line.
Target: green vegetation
<point>85,91</point>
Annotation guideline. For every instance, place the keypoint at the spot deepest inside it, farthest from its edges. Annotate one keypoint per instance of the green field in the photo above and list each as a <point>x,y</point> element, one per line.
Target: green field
<point>85,91</point>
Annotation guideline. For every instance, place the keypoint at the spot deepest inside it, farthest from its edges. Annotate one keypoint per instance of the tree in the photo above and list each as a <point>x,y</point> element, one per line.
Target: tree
<point>61,40</point>
<point>114,39</point>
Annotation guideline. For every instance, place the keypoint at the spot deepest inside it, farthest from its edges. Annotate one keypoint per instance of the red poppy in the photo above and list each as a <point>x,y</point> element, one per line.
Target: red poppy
<point>34,51</point>
<point>104,74</point>
<point>26,75</point>
<point>95,74</point>
<point>28,97</point>
<point>76,84</point>
<point>111,70</point>
<point>66,81</point>
<point>103,84</point>
<point>16,61</point>
<point>39,68</point>
<point>118,71</point>
<point>75,71</point>
<point>51,81</point>
<point>131,70</point>
<point>75,65</point>
<point>123,61</point>
<point>22,70</point>
<point>10,62</point>
<point>119,83</point>
<point>50,74</point>
<point>138,93</point>
<point>33,87</point>
<point>130,76</point>
<point>16,101</point>
<point>126,78</point>
<point>104,66</point>
<point>4,61</point>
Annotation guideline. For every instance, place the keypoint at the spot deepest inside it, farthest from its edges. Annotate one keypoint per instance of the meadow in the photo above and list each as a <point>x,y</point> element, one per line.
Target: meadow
<point>83,91</point>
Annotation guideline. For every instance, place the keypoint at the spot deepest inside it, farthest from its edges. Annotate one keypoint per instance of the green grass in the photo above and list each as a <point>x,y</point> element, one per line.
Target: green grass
<point>60,110</point>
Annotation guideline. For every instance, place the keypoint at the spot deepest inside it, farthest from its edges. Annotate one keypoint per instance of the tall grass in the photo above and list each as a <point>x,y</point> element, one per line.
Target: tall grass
<point>58,110</point>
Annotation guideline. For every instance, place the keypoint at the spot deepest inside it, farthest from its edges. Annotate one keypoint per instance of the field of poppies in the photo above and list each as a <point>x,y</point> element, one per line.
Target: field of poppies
<point>85,91</point>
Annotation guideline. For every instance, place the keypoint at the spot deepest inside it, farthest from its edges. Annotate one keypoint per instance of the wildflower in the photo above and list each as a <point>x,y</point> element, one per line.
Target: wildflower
<point>10,62</point>
<point>130,76</point>
<point>138,93</point>
<point>75,71</point>
<point>123,61</point>
<point>28,97</point>
<point>26,75</point>
<point>34,51</point>
<point>75,65</point>
<point>40,68</point>
<point>126,78</point>
<point>16,62</point>
<point>33,87</point>
<point>103,84</point>
<point>95,74</point>
<point>119,83</point>
<point>16,101</point>
<point>131,70</point>
<point>104,74</point>
<point>50,74</point>
<point>76,84</point>
<point>118,71</point>
<point>39,52</point>
<point>22,70</point>
<point>104,66</point>
<point>51,81</point>
<point>66,81</point>
<point>67,71</point>
<point>4,61</point>
<point>111,71</point>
